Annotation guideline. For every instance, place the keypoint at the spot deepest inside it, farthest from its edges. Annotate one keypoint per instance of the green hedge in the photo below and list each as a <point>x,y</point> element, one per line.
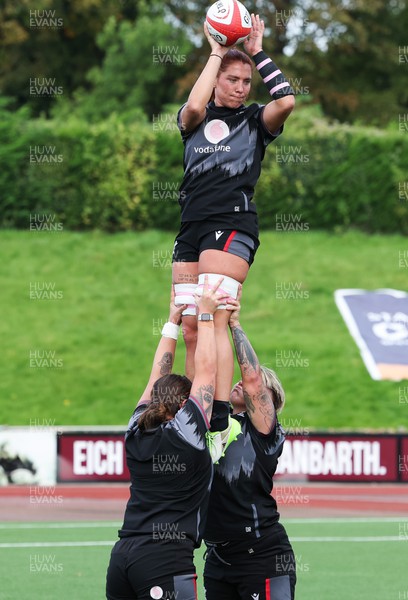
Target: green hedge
<point>336,178</point>
<point>85,176</point>
<point>116,177</point>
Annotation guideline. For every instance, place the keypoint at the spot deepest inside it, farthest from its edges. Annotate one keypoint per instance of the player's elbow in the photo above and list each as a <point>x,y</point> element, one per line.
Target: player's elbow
<point>194,110</point>
<point>286,105</point>
<point>193,106</point>
<point>252,379</point>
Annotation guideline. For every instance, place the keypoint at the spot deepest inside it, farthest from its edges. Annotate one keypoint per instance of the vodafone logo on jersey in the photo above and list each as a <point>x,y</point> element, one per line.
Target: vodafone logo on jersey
<point>216,130</point>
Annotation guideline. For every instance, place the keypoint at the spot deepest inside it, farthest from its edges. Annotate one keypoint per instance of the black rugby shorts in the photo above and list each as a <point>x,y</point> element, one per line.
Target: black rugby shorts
<point>194,237</point>
<point>265,570</point>
<point>276,582</point>
<point>145,571</point>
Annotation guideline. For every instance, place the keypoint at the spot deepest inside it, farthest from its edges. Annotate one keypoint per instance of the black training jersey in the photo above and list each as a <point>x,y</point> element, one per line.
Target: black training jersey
<point>171,472</point>
<point>222,162</point>
<point>241,506</point>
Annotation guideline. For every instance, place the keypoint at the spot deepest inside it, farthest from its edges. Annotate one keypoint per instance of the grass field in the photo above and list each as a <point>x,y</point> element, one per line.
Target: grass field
<point>337,559</point>
<point>89,307</point>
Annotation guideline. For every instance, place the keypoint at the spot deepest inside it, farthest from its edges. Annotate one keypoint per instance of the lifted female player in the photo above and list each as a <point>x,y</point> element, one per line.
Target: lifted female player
<point>224,144</point>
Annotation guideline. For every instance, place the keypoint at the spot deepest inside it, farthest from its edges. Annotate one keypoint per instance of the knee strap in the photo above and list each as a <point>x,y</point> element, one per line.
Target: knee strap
<point>228,286</point>
<point>184,294</point>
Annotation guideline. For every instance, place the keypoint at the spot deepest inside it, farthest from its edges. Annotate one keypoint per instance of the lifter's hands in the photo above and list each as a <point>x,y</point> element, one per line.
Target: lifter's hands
<point>235,307</point>
<point>210,299</point>
<point>175,311</point>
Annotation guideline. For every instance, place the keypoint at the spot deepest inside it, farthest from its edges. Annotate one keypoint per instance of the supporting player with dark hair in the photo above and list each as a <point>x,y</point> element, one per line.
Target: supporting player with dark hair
<point>170,469</point>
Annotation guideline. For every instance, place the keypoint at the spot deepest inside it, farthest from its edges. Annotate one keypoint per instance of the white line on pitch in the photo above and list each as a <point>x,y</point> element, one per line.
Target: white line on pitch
<point>306,520</point>
<point>390,538</point>
<point>107,524</point>
<point>55,544</point>
<point>82,525</point>
<point>379,538</point>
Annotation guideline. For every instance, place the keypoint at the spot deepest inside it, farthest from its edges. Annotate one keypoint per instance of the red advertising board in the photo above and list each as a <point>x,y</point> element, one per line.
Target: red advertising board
<point>335,457</point>
<point>91,457</point>
<point>403,460</point>
<point>353,457</point>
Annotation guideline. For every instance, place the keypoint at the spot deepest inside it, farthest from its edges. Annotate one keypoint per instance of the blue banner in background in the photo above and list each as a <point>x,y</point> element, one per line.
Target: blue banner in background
<point>378,323</point>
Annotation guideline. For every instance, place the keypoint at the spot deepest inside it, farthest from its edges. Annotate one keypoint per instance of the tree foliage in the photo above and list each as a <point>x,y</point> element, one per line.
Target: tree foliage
<point>142,63</point>
<point>114,176</point>
<point>52,39</point>
<point>349,54</point>
<point>100,52</point>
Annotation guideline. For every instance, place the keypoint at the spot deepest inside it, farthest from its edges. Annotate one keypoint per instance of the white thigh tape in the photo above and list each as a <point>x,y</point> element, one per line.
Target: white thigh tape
<point>190,310</point>
<point>228,286</point>
<point>184,294</point>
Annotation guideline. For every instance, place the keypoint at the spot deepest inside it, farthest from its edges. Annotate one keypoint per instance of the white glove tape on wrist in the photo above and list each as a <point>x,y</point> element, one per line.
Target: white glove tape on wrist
<point>170,330</point>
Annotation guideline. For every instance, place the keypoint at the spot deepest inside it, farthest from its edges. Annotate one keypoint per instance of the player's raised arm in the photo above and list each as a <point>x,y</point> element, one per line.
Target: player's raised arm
<point>205,360</point>
<point>166,348</point>
<point>194,112</point>
<point>277,111</point>
<point>258,398</point>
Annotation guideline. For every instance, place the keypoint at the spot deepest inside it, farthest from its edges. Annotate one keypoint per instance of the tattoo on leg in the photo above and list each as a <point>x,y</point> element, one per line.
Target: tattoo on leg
<point>187,278</point>
<point>166,363</point>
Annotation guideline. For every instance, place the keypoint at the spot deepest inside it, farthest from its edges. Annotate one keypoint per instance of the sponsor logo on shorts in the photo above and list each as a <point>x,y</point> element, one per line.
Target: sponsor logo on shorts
<point>218,234</point>
<point>156,592</point>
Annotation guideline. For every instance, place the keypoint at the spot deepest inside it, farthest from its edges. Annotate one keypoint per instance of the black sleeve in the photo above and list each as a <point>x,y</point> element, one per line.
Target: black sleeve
<point>191,424</point>
<point>266,136</point>
<point>132,425</point>
<point>219,416</point>
<point>185,136</point>
<point>267,444</point>
<point>179,120</point>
